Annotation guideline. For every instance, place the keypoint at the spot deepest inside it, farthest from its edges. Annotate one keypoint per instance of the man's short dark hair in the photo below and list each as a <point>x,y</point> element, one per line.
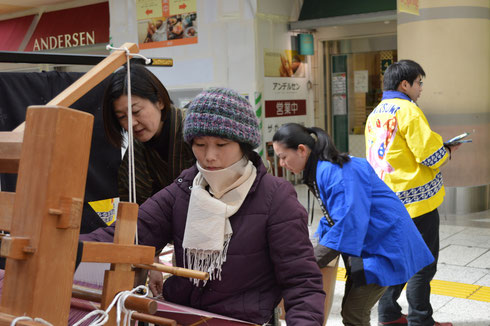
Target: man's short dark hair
<point>399,71</point>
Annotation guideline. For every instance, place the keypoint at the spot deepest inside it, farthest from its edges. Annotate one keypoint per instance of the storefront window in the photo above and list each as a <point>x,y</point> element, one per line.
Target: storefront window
<point>356,83</point>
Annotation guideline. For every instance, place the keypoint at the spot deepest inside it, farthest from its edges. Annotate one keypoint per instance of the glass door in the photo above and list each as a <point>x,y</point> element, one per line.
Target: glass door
<point>355,85</point>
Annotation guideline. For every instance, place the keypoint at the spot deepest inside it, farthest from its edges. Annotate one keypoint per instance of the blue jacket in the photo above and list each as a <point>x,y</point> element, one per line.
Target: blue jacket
<point>370,222</point>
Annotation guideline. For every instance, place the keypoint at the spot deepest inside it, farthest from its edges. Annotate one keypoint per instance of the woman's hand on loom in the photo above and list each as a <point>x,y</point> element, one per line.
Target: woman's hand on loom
<point>155,283</point>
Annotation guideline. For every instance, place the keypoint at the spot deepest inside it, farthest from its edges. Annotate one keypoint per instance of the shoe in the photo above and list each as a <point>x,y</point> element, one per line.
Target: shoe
<point>402,321</point>
<point>443,324</point>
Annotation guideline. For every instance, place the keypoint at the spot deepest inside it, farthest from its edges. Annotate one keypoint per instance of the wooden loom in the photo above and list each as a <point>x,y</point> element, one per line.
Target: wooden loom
<point>43,215</point>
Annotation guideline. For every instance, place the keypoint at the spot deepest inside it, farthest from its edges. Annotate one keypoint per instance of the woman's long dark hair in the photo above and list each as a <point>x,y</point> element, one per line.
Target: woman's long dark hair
<point>144,84</point>
<point>291,135</point>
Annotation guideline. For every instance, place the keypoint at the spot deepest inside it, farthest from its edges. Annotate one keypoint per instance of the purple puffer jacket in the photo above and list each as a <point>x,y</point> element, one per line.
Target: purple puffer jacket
<point>269,256</point>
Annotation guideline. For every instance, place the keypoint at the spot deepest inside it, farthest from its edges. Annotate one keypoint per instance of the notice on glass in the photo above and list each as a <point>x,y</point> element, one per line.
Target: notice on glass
<point>339,85</point>
<point>361,79</point>
<point>339,104</point>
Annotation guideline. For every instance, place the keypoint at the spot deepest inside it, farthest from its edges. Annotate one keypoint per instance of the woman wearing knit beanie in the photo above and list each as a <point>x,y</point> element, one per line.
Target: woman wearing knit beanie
<point>227,216</point>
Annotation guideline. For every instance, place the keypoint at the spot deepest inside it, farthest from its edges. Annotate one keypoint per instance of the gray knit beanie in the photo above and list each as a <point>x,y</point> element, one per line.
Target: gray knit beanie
<point>221,112</point>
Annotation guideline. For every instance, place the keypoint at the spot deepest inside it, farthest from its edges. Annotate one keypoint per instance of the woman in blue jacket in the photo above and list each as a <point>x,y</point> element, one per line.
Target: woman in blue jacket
<point>364,219</point>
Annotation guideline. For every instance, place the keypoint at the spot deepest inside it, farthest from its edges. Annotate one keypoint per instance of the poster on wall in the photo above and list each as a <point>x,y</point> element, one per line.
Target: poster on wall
<point>408,6</point>
<point>287,63</point>
<point>163,23</point>
<point>284,101</point>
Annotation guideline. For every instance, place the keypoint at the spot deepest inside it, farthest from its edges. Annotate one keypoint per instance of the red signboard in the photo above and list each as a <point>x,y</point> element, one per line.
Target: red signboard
<point>12,32</point>
<point>285,108</point>
<point>81,26</point>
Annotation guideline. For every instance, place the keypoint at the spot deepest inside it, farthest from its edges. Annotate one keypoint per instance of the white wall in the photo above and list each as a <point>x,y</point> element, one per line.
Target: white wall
<point>224,55</point>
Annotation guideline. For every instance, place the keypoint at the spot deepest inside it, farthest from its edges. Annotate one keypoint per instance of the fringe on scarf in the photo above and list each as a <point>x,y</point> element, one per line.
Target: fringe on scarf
<point>210,261</point>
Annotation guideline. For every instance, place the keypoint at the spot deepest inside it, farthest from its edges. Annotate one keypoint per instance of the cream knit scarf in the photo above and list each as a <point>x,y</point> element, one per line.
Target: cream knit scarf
<point>208,229</point>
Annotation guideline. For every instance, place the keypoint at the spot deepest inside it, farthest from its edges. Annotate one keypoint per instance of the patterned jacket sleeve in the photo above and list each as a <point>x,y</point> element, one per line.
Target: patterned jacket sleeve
<point>294,263</point>
<point>426,145</point>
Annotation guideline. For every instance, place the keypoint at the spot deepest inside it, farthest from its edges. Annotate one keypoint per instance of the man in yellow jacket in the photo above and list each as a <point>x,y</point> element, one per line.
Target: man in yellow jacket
<point>406,154</point>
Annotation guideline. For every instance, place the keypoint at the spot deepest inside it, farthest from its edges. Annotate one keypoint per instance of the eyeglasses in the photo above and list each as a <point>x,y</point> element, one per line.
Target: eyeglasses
<point>421,83</point>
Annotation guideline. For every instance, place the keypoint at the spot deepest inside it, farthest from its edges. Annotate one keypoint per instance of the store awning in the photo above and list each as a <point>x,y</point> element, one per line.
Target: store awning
<point>322,13</point>
<point>74,27</point>
<point>13,31</point>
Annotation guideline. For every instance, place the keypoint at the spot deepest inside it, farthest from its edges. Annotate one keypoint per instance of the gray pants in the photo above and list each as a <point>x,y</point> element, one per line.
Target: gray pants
<point>358,302</point>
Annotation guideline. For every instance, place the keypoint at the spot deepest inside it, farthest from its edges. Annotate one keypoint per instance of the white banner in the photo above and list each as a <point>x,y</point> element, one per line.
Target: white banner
<point>278,88</point>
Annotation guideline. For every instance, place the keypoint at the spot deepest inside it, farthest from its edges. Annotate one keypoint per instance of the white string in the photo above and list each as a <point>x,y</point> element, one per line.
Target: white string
<point>131,173</point>
<point>99,321</point>
<point>132,190</point>
<point>37,319</point>
<point>119,301</point>
<point>147,60</point>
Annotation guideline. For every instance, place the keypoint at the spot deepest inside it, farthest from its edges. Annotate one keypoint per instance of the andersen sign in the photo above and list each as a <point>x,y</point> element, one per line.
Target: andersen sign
<point>64,41</point>
<point>81,26</point>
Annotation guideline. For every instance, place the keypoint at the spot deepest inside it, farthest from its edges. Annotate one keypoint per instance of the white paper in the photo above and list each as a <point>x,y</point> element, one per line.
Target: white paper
<point>339,104</point>
<point>361,78</point>
<point>339,84</point>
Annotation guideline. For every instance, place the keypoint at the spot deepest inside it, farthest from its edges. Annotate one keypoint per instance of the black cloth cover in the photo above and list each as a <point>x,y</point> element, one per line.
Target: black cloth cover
<point>19,90</point>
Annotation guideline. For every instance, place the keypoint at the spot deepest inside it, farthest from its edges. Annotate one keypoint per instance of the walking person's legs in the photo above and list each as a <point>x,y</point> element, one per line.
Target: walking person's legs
<point>389,311</point>
<point>418,287</point>
<point>358,302</point>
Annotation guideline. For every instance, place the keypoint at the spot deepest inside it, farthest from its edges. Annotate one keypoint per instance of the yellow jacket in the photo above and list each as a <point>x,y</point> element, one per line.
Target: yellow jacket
<point>405,153</point>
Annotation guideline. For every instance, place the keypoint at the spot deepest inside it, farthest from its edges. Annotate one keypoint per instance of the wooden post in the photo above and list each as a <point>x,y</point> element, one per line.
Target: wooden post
<point>6,209</point>
<point>11,143</point>
<point>121,276</point>
<point>41,250</point>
